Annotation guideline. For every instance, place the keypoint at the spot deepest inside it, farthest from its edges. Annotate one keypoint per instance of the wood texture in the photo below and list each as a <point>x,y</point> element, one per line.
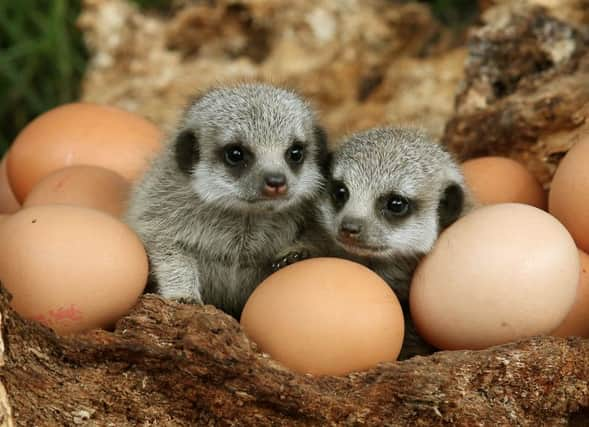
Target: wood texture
<point>173,364</point>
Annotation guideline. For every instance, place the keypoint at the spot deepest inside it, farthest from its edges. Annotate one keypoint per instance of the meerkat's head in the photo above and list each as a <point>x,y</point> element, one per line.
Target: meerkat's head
<point>392,191</point>
<point>251,147</point>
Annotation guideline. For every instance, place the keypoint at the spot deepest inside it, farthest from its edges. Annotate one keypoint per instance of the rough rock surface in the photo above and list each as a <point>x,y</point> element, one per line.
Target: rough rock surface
<point>526,87</point>
<point>185,365</point>
<point>362,63</point>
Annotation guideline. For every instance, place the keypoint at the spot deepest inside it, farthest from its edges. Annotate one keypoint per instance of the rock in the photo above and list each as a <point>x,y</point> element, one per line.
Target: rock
<point>361,63</point>
<point>526,81</point>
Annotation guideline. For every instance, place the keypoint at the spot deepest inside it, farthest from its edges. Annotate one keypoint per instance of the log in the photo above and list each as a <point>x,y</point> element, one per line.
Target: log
<point>173,364</point>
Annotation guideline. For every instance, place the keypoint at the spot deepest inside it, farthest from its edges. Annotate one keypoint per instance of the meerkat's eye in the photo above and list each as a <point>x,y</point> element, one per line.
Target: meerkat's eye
<point>339,193</point>
<point>234,155</point>
<point>397,205</point>
<point>296,153</point>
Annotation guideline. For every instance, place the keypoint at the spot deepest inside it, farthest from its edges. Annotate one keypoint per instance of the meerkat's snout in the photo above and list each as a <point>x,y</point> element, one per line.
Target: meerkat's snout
<point>350,229</point>
<point>275,185</point>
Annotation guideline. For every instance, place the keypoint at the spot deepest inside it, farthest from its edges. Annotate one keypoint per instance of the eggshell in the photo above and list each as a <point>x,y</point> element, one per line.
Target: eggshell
<point>502,180</point>
<point>325,316</point>
<point>500,273</point>
<point>81,133</point>
<point>8,202</point>
<point>71,268</point>
<point>569,193</point>
<point>576,322</point>
<point>90,186</point>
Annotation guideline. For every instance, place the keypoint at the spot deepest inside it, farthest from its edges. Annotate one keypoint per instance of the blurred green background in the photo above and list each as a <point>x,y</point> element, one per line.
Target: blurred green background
<point>42,54</point>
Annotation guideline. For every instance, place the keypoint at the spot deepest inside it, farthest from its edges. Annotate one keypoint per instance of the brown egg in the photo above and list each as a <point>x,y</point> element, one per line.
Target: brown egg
<point>81,133</point>
<point>502,180</point>
<point>3,217</point>
<point>577,321</point>
<point>8,202</point>
<point>500,273</point>
<point>89,186</point>
<point>569,193</point>
<point>71,268</point>
<point>325,316</point>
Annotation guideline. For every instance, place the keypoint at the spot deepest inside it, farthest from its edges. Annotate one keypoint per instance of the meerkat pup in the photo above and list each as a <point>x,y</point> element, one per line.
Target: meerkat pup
<point>231,189</point>
<point>391,192</point>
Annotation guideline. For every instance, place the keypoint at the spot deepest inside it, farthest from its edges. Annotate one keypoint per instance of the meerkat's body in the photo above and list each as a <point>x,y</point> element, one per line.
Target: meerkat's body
<point>232,189</point>
<point>391,192</point>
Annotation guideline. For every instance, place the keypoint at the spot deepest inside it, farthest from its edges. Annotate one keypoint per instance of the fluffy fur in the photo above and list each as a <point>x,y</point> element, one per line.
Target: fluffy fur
<point>228,193</point>
<point>391,192</point>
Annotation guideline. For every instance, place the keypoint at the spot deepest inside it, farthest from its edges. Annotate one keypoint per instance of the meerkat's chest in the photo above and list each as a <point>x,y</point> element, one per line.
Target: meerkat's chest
<point>249,240</point>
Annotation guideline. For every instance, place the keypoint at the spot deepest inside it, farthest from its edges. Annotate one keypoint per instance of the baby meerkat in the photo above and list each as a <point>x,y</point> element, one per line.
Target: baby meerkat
<point>391,192</point>
<point>231,189</point>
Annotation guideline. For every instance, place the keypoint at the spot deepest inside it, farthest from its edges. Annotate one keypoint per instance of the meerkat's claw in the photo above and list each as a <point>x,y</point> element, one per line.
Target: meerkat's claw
<point>189,300</point>
<point>290,258</point>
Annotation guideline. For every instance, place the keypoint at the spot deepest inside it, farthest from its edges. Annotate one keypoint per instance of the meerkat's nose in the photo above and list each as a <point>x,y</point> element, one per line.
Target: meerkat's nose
<point>350,228</point>
<point>274,184</point>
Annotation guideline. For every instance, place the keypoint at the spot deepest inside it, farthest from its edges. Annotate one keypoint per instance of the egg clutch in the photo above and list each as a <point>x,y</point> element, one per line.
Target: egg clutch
<point>515,267</point>
<point>66,257</point>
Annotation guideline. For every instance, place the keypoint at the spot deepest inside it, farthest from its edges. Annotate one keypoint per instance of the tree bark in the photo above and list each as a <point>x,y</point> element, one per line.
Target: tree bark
<point>174,364</point>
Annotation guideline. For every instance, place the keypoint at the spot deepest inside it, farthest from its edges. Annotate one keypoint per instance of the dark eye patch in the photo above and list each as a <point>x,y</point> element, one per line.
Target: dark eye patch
<point>236,157</point>
<point>395,206</point>
<point>339,194</point>
<point>295,154</point>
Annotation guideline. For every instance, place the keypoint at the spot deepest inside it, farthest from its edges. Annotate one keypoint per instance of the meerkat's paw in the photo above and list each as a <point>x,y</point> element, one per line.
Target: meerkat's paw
<point>289,258</point>
<point>178,281</point>
<point>181,297</point>
<point>188,300</point>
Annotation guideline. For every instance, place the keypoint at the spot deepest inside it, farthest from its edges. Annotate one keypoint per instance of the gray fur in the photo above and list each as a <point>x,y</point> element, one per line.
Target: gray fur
<point>372,165</point>
<point>209,230</point>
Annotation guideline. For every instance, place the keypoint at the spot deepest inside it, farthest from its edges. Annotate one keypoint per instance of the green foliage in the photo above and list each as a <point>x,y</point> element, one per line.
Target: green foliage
<point>42,60</point>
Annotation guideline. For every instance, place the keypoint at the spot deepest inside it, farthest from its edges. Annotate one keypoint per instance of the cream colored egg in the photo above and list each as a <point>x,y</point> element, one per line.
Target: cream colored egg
<point>325,316</point>
<point>89,186</point>
<point>501,273</point>
<point>71,268</point>
<point>8,202</point>
<point>576,323</point>
<point>495,179</point>
<point>81,133</point>
<point>569,192</point>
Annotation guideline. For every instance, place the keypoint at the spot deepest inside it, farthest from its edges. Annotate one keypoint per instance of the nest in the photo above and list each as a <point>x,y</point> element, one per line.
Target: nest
<point>523,93</point>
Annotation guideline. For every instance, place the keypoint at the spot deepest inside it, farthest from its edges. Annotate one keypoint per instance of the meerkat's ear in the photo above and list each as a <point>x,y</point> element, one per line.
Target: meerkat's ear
<point>451,204</point>
<point>186,150</point>
<point>324,157</point>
